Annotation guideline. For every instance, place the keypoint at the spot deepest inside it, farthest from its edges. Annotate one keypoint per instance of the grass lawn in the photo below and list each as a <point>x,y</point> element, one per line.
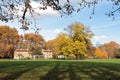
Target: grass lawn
<point>98,69</point>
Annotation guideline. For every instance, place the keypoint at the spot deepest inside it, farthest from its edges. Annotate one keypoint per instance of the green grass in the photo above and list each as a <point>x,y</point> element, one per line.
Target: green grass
<point>98,69</point>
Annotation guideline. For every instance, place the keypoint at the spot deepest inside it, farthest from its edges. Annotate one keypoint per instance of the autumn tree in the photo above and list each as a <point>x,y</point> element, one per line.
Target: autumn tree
<point>60,42</point>
<point>36,50</point>
<point>66,46</point>
<point>80,34</point>
<point>52,45</point>
<point>35,42</point>
<point>110,47</point>
<point>100,54</point>
<point>75,43</point>
<point>8,40</point>
<point>61,45</point>
<point>97,53</point>
<point>117,53</point>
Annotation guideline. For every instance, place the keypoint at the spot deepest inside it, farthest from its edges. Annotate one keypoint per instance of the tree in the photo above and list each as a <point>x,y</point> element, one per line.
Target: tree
<point>104,54</point>
<point>97,53</point>
<point>9,38</point>
<point>34,42</point>
<point>79,49</point>
<point>10,9</point>
<point>36,51</point>
<point>53,45</point>
<point>33,39</point>
<point>61,41</point>
<point>22,42</point>
<point>82,34</point>
<point>117,53</point>
<point>100,54</point>
<point>73,44</point>
<point>67,49</point>
<point>111,48</point>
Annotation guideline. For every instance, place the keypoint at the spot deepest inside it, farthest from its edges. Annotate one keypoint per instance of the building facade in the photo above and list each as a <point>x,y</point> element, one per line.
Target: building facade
<point>47,54</point>
<point>25,54</point>
<point>22,54</point>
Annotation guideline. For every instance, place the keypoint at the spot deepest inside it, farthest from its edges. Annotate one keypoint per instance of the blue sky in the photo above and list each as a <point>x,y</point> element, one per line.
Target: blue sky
<point>50,22</point>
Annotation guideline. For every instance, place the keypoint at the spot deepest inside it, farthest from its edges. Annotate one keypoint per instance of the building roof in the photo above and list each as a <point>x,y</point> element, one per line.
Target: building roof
<point>22,50</point>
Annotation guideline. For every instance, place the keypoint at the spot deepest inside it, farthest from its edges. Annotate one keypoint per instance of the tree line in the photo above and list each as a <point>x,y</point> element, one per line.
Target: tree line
<point>11,40</point>
<point>74,43</point>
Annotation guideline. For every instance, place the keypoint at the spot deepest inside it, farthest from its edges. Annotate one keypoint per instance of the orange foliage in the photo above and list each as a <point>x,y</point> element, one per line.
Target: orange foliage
<point>104,54</point>
<point>110,47</point>
<point>8,39</point>
<point>100,54</point>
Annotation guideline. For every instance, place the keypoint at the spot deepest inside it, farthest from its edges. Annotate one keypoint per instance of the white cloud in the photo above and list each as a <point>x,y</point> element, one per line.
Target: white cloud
<point>57,31</point>
<point>49,11</point>
<point>97,38</point>
<point>50,34</point>
<point>36,7</point>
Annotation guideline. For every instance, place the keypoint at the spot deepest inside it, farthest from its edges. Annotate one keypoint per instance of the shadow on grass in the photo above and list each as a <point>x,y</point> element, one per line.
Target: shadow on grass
<point>17,74</point>
<point>61,72</point>
<point>97,71</point>
<point>67,70</point>
<point>52,74</point>
<point>84,71</point>
<point>10,64</point>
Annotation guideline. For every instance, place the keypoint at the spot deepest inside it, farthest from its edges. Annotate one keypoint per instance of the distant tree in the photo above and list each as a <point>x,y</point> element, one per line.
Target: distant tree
<point>9,38</point>
<point>111,48</point>
<point>97,53</point>
<point>100,54</point>
<point>36,51</point>
<point>34,42</point>
<point>53,45</point>
<point>33,39</point>
<point>117,53</point>
<point>104,54</point>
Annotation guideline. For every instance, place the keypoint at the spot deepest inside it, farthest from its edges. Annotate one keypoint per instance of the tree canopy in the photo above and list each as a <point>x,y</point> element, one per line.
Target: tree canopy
<point>8,40</point>
<point>74,43</point>
<point>34,42</point>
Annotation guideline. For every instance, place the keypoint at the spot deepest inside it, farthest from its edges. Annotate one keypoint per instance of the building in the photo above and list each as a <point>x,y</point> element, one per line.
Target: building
<point>25,54</point>
<point>22,54</point>
<point>47,54</point>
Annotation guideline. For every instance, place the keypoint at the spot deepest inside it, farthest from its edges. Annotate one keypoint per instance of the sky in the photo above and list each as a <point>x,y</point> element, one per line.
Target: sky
<point>105,29</point>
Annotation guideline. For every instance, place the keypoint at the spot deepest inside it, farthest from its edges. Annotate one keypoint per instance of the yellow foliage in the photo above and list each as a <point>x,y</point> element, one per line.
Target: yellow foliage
<point>71,56</point>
